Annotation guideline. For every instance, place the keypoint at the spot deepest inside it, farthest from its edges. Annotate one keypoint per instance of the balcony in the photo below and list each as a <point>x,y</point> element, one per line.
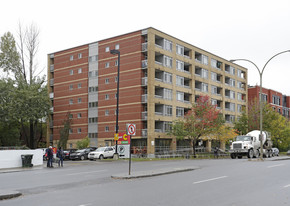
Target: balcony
<point>52,68</point>
<point>51,109</point>
<point>51,95</point>
<point>51,124</point>
<point>144,64</point>
<point>144,132</point>
<point>144,115</point>
<point>144,81</point>
<point>144,98</point>
<point>51,82</point>
<point>144,47</point>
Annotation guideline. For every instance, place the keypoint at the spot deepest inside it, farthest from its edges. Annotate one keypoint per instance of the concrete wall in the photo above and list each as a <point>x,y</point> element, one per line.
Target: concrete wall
<point>12,158</point>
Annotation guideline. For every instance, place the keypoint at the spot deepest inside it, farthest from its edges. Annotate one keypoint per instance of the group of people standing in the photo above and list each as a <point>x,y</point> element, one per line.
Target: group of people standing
<point>49,155</point>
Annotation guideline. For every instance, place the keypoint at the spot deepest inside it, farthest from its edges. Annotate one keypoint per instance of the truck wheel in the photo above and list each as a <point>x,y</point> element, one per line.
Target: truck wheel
<point>233,156</point>
<point>250,154</point>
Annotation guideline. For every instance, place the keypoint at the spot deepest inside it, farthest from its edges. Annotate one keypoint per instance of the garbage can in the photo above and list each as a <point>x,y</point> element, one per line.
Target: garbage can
<point>26,160</point>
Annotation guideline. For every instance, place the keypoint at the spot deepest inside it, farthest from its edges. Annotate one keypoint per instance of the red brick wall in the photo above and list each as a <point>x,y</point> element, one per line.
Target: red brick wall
<point>130,106</point>
<point>62,93</point>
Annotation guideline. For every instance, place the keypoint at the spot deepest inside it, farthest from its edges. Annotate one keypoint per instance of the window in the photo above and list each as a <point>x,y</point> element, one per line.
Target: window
<point>275,99</point>
<point>107,81</point>
<point>167,126</point>
<point>179,49</point>
<point>116,63</point>
<point>70,131</point>
<point>107,65</point>
<point>179,111</point>
<point>179,81</point>
<point>117,46</point>
<point>79,70</point>
<point>167,45</point>
<point>239,107</point>
<point>168,110</point>
<point>80,55</point>
<point>216,64</point>
<point>71,72</point>
<point>107,49</point>
<point>79,100</point>
<point>79,85</point>
<point>71,57</point>
<point>214,89</point>
<point>240,85</point>
<point>107,112</point>
<point>179,65</point>
<point>116,79</point>
<point>167,77</point>
<point>71,87</point>
<point>168,94</point>
<point>204,73</point>
<point>93,89</point>
<point>239,96</point>
<point>204,87</point>
<point>79,130</point>
<point>106,128</point>
<point>179,96</point>
<point>93,120</point>
<point>79,115</point>
<point>70,116</point>
<point>71,101</point>
<point>106,97</point>
<point>116,96</point>
<point>93,104</point>
<point>167,61</point>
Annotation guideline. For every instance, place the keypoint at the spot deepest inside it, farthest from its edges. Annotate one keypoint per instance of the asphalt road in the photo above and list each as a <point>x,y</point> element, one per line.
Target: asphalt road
<point>216,182</point>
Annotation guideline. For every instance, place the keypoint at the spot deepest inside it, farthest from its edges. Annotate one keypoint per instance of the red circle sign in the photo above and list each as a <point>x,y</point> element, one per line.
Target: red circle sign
<point>131,129</point>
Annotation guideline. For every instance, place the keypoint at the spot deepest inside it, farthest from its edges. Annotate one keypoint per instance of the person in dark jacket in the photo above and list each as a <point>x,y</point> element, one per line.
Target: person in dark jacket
<point>49,156</point>
<point>59,154</point>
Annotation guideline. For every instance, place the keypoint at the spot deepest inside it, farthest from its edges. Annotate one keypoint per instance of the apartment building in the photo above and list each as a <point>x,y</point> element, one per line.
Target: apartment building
<point>278,101</point>
<point>160,77</point>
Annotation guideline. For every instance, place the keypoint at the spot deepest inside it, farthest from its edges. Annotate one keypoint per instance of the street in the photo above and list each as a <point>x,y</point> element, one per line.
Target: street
<point>221,182</point>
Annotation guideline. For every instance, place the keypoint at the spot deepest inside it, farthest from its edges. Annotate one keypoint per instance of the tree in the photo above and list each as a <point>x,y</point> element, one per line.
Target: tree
<point>224,133</point>
<point>84,143</point>
<point>242,125</point>
<point>203,119</point>
<point>64,132</point>
<point>30,94</point>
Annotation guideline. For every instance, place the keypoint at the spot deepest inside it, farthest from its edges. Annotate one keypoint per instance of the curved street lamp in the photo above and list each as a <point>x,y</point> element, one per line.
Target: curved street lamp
<point>260,96</point>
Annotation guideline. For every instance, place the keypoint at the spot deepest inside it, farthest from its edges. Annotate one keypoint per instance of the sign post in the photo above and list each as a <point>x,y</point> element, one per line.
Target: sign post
<point>131,130</point>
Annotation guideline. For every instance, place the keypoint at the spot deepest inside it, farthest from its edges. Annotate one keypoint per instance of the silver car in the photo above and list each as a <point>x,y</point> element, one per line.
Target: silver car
<point>275,152</point>
<point>102,153</point>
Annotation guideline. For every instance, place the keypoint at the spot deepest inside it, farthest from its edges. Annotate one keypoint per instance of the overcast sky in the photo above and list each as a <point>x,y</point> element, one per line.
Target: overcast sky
<point>250,29</point>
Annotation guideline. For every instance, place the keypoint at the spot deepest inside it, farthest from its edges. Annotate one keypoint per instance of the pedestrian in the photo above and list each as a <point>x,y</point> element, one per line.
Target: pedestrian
<point>216,154</point>
<point>49,156</point>
<point>59,154</point>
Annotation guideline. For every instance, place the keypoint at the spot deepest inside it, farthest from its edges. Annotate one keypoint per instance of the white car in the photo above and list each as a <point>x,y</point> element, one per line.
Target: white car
<point>102,153</point>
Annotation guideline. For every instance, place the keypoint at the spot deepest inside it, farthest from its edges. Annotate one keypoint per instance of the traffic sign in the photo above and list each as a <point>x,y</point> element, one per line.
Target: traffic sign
<point>131,129</point>
<point>116,136</point>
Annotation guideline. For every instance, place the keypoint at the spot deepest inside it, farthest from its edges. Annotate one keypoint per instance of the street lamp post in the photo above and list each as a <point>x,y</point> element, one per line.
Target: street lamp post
<point>260,95</point>
<point>114,51</point>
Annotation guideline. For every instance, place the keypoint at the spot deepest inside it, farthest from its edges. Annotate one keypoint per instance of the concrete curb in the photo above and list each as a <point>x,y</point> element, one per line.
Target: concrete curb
<point>153,173</point>
<point>6,194</point>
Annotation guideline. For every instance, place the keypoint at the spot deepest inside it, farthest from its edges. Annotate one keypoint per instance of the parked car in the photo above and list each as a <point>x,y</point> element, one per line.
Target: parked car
<point>81,154</point>
<point>288,152</point>
<point>275,151</point>
<point>101,153</point>
<point>67,153</point>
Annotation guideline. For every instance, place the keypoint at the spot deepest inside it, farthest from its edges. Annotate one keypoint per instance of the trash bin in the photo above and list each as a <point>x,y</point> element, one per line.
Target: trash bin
<point>26,160</point>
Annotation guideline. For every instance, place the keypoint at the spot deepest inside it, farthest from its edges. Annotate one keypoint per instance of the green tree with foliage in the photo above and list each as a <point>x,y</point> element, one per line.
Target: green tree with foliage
<point>30,99</point>
<point>203,119</point>
<point>84,143</point>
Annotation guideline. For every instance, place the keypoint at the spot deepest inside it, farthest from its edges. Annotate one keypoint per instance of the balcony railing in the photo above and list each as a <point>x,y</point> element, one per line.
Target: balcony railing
<point>144,81</point>
<point>159,113</point>
<point>144,98</point>
<point>51,95</point>
<point>52,68</point>
<point>144,64</point>
<point>144,115</point>
<point>144,47</point>
<point>158,130</point>
<point>144,132</point>
<point>51,82</point>
<point>158,96</point>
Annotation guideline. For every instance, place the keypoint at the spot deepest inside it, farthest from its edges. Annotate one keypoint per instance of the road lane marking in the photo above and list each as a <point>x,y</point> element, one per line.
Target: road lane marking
<point>212,179</point>
<point>286,186</point>
<point>81,173</point>
<point>275,165</point>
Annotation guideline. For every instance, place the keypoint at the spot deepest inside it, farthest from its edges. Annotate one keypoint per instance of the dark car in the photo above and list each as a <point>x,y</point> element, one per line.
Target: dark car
<point>81,154</point>
<point>66,153</point>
